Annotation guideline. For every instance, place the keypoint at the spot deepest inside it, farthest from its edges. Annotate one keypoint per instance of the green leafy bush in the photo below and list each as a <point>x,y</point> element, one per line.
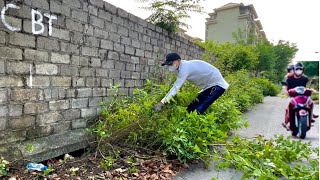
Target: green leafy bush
<point>243,90</point>
<point>267,87</point>
<point>270,158</point>
<point>187,136</point>
<point>4,168</point>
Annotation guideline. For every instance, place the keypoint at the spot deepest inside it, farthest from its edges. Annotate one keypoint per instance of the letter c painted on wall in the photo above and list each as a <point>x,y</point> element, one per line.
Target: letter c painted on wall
<point>3,11</point>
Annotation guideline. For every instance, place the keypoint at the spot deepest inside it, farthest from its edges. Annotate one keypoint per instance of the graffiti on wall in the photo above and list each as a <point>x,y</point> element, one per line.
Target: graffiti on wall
<point>36,17</point>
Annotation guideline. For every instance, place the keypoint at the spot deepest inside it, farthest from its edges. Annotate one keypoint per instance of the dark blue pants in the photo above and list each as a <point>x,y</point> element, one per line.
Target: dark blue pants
<point>205,99</point>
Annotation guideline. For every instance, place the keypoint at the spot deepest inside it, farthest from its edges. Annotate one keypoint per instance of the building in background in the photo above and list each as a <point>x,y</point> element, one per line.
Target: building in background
<point>233,18</point>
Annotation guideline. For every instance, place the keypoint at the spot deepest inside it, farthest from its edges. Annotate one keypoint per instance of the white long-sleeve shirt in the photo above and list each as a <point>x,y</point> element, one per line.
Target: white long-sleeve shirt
<point>198,72</point>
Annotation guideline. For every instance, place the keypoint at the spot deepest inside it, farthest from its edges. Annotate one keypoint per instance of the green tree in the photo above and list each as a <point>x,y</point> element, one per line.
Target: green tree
<point>311,68</point>
<point>230,57</point>
<point>284,52</point>
<point>169,14</point>
<point>266,60</point>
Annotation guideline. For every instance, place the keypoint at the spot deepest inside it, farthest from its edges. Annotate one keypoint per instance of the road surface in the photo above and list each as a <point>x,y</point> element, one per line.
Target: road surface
<point>265,119</point>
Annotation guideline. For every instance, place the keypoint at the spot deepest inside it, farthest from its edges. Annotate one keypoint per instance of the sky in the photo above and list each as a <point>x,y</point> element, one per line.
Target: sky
<point>293,21</point>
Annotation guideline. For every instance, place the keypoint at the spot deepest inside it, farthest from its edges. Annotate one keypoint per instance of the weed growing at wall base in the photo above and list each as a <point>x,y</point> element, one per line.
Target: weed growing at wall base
<point>187,136</point>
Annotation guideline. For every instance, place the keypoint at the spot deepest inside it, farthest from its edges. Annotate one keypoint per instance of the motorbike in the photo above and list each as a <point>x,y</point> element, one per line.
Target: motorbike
<point>301,107</point>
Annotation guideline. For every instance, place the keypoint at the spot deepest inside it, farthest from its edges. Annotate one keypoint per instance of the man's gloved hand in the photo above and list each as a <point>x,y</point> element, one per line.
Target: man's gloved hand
<point>158,107</point>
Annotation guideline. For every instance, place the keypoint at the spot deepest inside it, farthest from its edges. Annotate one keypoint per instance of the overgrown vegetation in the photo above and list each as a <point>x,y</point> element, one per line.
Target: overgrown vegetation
<point>170,14</point>
<point>4,167</point>
<point>174,131</point>
<point>262,158</point>
<point>262,59</point>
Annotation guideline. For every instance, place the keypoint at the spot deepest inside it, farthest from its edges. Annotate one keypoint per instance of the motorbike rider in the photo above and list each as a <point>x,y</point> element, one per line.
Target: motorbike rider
<point>290,72</point>
<point>297,79</point>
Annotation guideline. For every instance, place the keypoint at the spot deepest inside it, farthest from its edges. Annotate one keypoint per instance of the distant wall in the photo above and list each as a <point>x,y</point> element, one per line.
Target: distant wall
<point>60,58</point>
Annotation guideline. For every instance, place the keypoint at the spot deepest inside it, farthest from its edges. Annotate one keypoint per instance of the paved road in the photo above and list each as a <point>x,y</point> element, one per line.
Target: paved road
<point>265,119</point>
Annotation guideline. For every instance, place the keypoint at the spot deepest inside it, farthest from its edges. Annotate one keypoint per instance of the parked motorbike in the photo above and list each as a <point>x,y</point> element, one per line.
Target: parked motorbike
<point>301,106</point>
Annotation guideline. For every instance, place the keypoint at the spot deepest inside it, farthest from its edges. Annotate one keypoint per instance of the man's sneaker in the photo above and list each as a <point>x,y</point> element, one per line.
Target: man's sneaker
<point>312,121</point>
<point>315,116</point>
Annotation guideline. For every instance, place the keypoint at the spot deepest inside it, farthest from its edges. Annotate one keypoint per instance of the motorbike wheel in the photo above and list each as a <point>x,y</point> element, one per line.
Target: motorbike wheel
<point>303,126</point>
<point>295,130</point>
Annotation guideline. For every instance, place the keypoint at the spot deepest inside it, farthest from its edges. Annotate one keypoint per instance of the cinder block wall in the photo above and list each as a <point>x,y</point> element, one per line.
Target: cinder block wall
<point>57,67</point>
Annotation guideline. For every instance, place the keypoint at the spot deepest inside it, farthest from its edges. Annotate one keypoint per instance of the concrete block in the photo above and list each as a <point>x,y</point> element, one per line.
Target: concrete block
<point>3,96</point>
<point>46,69</point>
<point>67,70</point>
<point>61,127</point>
<point>88,112</point>
<point>102,72</point>
<point>80,15</point>
<point>74,25</point>
<point>97,3</point>
<point>25,94</point>
<point>111,27</point>
<point>84,92</point>
<point>59,105</point>
<point>74,3</point>
<point>38,81</point>
<point>58,8</point>
<point>89,51</point>
<point>61,81</point>
<point>104,15</point>
<point>10,53</point>
<point>48,118</point>
<point>48,44</point>
<point>119,48</point>
<point>79,103</point>
<point>108,64</point>
<point>95,102</point>
<point>98,92</point>
<point>78,82</point>
<point>38,4</point>
<point>10,81</point>
<point>101,33</point>
<point>18,68</point>
<point>113,55</point>
<point>60,58</point>
<point>70,48</point>
<point>106,82</point>
<point>2,37</point>
<point>95,62</point>
<point>92,82</point>
<point>20,39</point>
<point>87,71</point>
<point>114,37</point>
<point>125,74</point>
<point>22,122</point>
<point>35,108</point>
<point>97,22</point>
<point>15,110</point>
<point>61,34</point>
<point>93,10</point>
<point>120,65</point>
<point>3,123</point>
<point>35,55</point>
<point>106,44</point>
<point>92,41</point>
<point>71,114</point>
<point>79,123</point>
<point>114,73</point>
<point>4,111</point>
<point>111,8</point>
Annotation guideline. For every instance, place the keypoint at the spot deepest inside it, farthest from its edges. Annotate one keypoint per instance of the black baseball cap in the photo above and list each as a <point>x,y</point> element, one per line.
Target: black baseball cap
<point>170,58</point>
